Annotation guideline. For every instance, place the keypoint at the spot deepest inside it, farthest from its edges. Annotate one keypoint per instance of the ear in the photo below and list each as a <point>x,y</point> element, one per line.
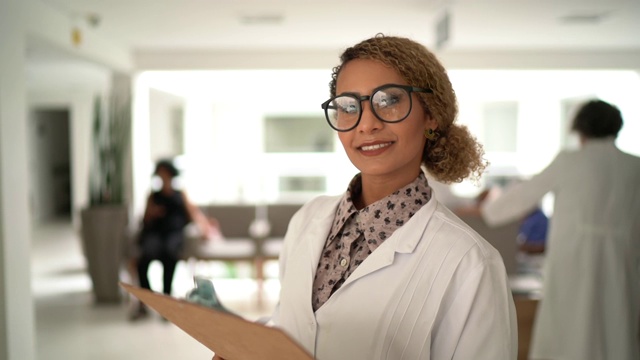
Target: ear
<point>430,123</point>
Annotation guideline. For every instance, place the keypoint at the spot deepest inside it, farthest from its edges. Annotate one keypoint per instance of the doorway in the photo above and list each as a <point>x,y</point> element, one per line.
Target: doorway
<point>50,164</point>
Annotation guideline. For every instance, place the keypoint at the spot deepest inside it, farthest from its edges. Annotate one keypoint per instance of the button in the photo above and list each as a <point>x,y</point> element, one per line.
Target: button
<point>343,262</point>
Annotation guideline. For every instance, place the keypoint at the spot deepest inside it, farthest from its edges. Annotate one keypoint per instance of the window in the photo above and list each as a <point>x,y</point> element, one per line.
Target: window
<point>569,107</point>
<point>176,119</point>
<point>500,123</point>
<point>303,184</point>
<point>293,134</point>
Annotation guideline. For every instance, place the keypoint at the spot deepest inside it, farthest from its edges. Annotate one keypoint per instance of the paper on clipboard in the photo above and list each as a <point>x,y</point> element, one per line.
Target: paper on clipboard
<point>229,336</point>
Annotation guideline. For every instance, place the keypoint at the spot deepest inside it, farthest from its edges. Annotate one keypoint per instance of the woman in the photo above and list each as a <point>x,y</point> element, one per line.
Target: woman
<point>385,271</point>
<point>591,292</point>
<point>167,213</point>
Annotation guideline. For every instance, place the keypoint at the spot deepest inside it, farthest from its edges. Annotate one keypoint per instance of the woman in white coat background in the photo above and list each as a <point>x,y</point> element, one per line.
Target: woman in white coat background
<point>385,271</point>
<point>591,293</point>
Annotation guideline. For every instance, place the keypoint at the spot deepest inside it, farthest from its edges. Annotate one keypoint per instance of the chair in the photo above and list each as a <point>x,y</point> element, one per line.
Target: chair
<point>240,242</point>
<point>234,225</point>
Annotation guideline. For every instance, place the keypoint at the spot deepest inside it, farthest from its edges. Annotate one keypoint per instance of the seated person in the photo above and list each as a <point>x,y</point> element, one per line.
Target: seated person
<point>532,238</point>
<point>532,235</point>
<point>162,238</point>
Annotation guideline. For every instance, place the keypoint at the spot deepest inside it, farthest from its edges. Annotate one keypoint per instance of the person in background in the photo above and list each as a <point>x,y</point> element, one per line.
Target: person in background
<point>162,237</point>
<point>590,307</point>
<point>531,240</point>
<point>532,232</point>
<point>384,271</point>
<point>532,235</point>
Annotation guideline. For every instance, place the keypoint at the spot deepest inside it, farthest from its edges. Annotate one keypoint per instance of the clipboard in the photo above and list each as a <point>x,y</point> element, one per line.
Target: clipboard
<point>229,336</point>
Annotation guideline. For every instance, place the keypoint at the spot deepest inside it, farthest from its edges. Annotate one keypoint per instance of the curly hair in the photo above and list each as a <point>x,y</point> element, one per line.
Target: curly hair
<point>454,154</point>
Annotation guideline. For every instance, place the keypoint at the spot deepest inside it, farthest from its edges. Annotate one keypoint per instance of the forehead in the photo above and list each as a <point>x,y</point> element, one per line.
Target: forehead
<point>163,169</point>
<point>363,75</point>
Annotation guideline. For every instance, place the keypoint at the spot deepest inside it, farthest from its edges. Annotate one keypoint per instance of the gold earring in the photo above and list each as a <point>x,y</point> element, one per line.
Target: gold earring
<point>430,134</point>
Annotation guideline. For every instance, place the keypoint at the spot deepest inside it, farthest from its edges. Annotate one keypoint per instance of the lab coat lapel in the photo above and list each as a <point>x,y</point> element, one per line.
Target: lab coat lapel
<point>403,240</point>
<point>315,235</point>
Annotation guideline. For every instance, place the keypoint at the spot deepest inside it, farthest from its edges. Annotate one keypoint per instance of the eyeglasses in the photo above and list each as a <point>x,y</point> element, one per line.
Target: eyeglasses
<point>390,103</point>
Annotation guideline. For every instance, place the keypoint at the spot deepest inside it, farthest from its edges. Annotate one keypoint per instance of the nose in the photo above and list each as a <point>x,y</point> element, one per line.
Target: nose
<point>369,122</point>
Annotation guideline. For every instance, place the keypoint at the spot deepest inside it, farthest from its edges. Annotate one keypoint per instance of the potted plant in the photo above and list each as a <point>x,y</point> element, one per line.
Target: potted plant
<point>104,221</point>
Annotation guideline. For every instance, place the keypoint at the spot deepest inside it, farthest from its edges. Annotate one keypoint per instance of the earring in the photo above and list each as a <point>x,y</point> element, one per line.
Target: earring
<point>430,134</point>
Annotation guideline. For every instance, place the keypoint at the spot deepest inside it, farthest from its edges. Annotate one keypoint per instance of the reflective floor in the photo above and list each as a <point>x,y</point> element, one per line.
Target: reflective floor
<point>70,326</point>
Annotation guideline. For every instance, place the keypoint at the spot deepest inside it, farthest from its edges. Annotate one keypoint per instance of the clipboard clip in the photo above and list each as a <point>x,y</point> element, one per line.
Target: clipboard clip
<point>204,293</point>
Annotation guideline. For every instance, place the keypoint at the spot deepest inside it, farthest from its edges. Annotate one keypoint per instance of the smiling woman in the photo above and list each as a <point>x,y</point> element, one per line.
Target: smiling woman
<point>385,265</point>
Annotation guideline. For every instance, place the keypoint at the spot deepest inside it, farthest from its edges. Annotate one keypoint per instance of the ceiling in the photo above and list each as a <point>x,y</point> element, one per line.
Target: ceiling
<point>298,25</point>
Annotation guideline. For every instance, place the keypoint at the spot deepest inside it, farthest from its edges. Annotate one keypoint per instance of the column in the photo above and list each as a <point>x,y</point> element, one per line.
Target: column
<point>16,311</point>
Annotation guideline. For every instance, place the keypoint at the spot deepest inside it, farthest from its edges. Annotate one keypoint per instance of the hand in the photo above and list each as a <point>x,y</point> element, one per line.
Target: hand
<point>212,230</point>
<point>532,248</point>
<point>494,193</point>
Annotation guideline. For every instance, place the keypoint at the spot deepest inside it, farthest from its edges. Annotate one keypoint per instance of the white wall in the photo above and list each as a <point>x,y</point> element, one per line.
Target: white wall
<point>17,320</point>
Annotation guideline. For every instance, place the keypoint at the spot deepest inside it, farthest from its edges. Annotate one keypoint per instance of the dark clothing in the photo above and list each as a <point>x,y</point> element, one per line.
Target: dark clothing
<point>166,248</point>
<point>176,216</point>
<point>163,238</point>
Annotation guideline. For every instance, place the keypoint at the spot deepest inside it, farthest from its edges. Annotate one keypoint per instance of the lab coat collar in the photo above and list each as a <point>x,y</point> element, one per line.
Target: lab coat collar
<point>315,235</point>
<point>608,141</point>
<point>404,240</point>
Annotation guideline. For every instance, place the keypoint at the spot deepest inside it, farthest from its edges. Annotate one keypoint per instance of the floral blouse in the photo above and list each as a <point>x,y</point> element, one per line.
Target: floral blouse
<point>357,233</point>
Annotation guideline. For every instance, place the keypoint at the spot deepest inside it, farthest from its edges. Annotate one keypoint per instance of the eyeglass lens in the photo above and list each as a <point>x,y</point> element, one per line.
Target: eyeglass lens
<point>389,104</point>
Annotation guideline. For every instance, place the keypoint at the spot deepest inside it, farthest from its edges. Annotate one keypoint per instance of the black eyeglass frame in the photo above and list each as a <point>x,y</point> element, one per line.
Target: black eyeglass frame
<point>408,88</point>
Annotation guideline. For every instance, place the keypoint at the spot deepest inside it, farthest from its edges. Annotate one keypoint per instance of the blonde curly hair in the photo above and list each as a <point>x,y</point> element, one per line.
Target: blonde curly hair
<point>454,154</point>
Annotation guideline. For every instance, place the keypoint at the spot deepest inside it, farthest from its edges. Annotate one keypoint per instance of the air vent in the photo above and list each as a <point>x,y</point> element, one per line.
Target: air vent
<point>584,18</point>
<point>261,19</point>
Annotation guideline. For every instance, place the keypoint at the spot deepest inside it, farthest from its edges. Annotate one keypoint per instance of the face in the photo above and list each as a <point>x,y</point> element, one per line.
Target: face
<point>164,175</point>
<point>379,149</point>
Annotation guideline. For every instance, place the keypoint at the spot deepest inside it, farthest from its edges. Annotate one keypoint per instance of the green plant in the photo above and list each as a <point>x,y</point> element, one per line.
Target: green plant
<point>110,142</point>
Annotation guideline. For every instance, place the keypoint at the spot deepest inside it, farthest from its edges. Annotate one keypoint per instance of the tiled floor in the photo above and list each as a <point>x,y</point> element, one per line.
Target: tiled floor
<point>70,326</point>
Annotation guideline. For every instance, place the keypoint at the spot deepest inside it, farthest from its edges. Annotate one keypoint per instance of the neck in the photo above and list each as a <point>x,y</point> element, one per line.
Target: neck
<point>375,188</point>
<point>583,140</point>
<point>587,140</point>
<point>166,189</point>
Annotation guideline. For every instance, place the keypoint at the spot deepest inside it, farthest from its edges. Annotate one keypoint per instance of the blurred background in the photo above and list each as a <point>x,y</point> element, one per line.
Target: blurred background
<point>93,93</point>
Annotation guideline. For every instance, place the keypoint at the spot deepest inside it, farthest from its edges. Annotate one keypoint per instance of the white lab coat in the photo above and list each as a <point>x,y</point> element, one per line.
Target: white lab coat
<point>433,290</point>
<point>591,293</point>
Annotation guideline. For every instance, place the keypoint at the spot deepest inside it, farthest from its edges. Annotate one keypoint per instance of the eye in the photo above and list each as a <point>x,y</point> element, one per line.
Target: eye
<point>350,109</point>
<point>389,97</point>
<point>387,100</point>
<point>346,106</point>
